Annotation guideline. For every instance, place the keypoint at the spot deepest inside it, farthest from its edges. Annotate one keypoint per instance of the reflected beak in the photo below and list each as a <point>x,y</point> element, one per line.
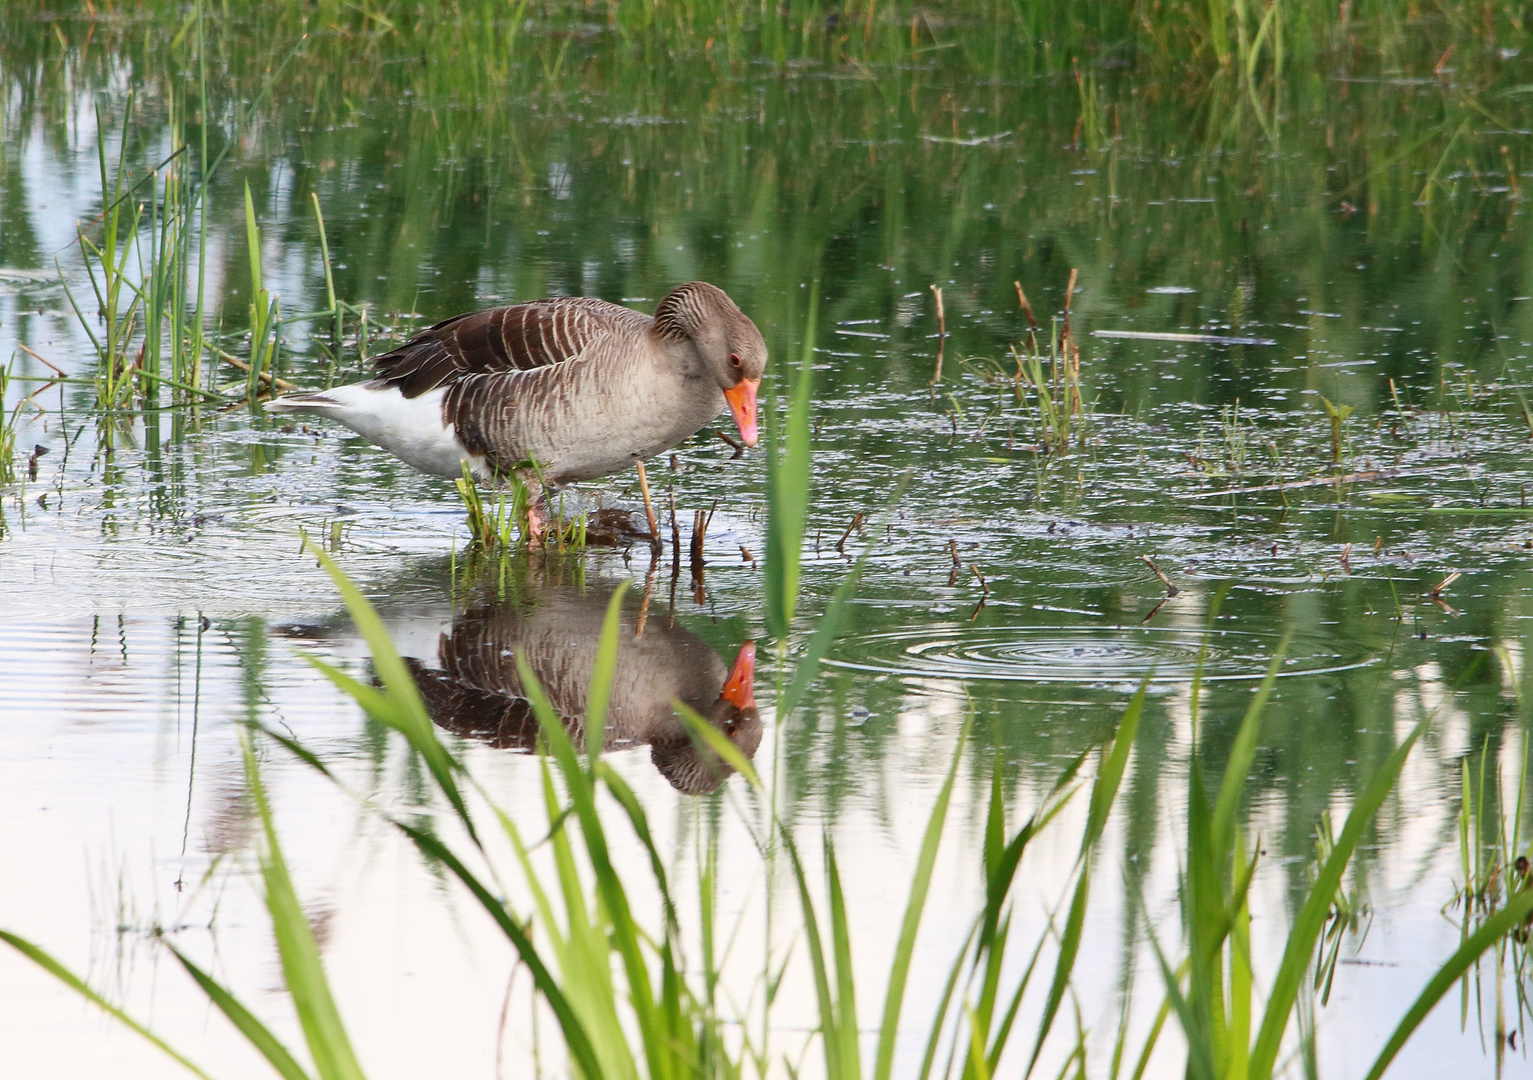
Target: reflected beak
<point>740,690</point>
<point>742,403</point>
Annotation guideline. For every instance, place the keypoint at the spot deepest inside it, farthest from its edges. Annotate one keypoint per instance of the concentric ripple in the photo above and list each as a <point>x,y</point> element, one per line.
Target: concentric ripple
<point>1089,654</point>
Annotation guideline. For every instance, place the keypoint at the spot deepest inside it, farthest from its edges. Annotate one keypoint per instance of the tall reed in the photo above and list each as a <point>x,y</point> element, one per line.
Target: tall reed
<point>1053,382</point>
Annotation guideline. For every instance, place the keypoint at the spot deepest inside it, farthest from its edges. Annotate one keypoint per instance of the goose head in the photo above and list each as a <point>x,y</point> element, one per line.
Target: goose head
<point>730,347</point>
<point>689,765</point>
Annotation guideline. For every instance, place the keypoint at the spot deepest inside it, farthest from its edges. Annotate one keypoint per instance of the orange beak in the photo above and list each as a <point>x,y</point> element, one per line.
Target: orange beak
<point>740,690</point>
<point>742,403</point>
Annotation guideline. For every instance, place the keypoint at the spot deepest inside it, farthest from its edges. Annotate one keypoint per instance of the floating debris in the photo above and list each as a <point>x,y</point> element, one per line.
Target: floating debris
<point>1192,339</point>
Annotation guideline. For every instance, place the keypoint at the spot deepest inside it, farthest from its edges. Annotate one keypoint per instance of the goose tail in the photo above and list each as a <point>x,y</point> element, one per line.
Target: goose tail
<point>307,403</point>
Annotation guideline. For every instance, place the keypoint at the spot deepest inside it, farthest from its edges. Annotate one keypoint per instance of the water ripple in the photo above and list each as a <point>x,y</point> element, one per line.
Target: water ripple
<point>1106,655</point>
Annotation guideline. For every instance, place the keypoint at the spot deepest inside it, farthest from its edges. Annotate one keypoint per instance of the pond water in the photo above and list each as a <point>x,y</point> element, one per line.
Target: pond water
<point>1357,239</point>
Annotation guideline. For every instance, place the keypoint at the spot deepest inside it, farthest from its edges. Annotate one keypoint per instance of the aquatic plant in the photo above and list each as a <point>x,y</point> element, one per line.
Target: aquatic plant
<point>8,424</point>
<point>1059,410</point>
<point>106,265</point>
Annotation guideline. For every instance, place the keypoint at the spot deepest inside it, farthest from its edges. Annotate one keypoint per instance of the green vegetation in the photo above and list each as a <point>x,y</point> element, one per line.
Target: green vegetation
<point>1059,411</point>
<point>1308,134</point>
<point>1147,95</point>
<point>629,1002</point>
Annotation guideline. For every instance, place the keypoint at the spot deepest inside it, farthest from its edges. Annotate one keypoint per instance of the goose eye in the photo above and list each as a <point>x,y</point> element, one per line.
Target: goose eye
<point>734,359</point>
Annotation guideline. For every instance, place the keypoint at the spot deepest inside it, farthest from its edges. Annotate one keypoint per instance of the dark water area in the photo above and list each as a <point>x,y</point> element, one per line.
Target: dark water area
<point>1337,481</point>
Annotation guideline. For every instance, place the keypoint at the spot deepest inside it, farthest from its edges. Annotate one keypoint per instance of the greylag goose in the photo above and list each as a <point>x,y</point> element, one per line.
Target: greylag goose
<point>472,686</point>
<point>554,390</point>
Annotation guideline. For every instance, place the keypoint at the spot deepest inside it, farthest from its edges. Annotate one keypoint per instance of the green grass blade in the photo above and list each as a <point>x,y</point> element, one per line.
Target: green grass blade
<point>939,1015</point>
<point>1243,753</point>
<point>828,1038</point>
<point>788,480</point>
<point>1311,918</point>
<point>699,728</point>
<point>637,817</point>
<point>570,1026</point>
<point>602,674</point>
<point>404,710</point>
<point>1003,1031</point>
<point>825,632</point>
<point>255,1032</point>
<point>1492,930</point>
<point>609,885</point>
<point>1103,793</point>
<point>1200,1065</point>
<point>846,987</point>
<point>978,1066</point>
<point>75,983</point>
<point>1069,948</point>
<point>920,884</point>
<point>302,969</point>
<point>1204,915</point>
<point>1114,764</point>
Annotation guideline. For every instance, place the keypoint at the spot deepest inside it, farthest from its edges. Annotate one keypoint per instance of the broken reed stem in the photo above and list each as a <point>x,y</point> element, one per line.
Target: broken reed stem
<point>1032,321</point>
<point>33,354</point>
<point>265,376</point>
<point>1070,354</point>
<point>941,334</point>
<point>1171,590</point>
<point>649,591</point>
<point>856,522</point>
<point>700,521</point>
<point>739,449</point>
<point>675,547</point>
<point>1437,590</point>
<point>649,509</point>
<point>952,547</point>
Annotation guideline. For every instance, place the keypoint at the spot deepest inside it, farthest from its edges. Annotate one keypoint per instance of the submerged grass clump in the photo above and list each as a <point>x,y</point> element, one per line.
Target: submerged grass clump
<point>8,424</point>
<point>1052,381</point>
<point>504,524</point>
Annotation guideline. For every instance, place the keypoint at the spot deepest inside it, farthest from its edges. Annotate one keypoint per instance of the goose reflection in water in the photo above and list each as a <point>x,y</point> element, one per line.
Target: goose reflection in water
<point>472,687</point>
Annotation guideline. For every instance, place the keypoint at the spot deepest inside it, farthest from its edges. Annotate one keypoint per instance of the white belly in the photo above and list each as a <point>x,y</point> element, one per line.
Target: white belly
<point>412,429</point>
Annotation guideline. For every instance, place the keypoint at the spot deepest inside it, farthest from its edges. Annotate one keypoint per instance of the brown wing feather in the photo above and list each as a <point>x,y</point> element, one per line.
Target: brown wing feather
<point>516,338</point>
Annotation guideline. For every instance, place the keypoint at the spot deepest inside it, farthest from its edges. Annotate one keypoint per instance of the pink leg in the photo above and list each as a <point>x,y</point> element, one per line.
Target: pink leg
<point>537,523</point>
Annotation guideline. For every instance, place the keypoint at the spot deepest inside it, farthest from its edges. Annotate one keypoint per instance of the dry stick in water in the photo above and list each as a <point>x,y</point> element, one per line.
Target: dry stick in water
<point>941,335</point>
<point>649,509</point>
<point>1436,593</point>
<point>675,546</point>
<point>1032,334</point>
<point>265,376</point>
<point>738,448</point>
<point>1171,590</point>
<point>983,595</point>
<point>1070,354</point>
<point>32,353</point>
<point>856,522</point>
<point>700,520</point>
<point>649,591</point>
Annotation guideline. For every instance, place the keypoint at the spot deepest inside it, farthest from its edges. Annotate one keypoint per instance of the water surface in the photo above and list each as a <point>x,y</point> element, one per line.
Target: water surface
<point>154,593</point>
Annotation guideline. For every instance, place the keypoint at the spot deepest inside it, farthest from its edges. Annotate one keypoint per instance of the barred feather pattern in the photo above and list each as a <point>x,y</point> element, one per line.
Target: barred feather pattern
<point>517,338</point>
<point>478,692</point>
<point>552,391</point>
<point>687,307</point>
